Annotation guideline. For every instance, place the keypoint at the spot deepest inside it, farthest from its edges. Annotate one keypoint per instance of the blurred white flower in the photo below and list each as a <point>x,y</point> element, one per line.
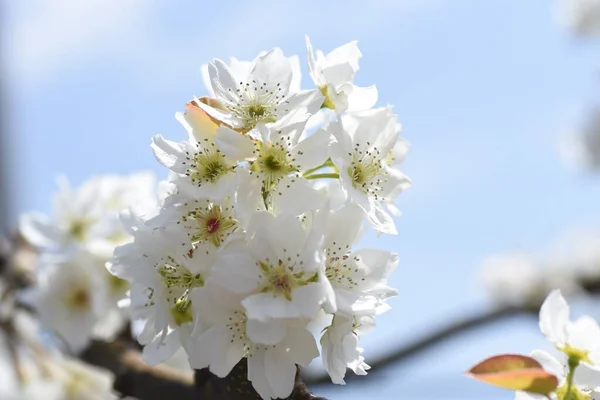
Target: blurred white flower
<point>72,299</point>
<point>582,16</point>
<point>581,150</point>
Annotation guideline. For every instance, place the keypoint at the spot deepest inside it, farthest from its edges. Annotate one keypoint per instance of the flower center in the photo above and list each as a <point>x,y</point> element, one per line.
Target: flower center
<point>175,274</point>
<point>182,311</point>
<point>237,330</point>
<point>207,165</point>
<point>255,103</point>
<point>79,299</point>
<point>340,272</point>
<point>273,162</point>
<point>212,223</point>
<point>281,278</point>
<point>365,172</point>
<point>327,103</point>
<point>78,228</point>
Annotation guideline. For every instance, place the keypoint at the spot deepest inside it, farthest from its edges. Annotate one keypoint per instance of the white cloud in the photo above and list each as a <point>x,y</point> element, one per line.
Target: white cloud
<point>44,36</point>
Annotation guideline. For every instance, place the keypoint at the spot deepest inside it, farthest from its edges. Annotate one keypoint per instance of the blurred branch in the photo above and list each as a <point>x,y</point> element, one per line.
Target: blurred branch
<point>135,378</point>
<point>407,351</point>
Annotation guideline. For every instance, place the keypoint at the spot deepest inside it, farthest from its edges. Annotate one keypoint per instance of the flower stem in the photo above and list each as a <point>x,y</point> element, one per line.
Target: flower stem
<point>327,163</point>
<point>319,176</point>
<point>573,364</point>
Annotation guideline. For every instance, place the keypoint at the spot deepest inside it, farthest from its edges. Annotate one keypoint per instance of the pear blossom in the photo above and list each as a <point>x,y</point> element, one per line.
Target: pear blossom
<point>277,162</point>
<point>254,237</point>
<point>200,168</point>
<point>71,300</point>
<point>363,143</point>
<point>355,274</point>
<point>88,215</point>
<point>579,339</point>
<point>272,348</point>
<point>334,74</point>
<point>586,382</point>
<point>262,97</point>
<point>341,351</point>
<point>279,268</point>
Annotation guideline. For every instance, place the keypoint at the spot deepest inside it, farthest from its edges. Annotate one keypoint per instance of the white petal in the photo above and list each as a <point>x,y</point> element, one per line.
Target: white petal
<point>39,230</point>
<point>295,196</point>
<point>160,350</point>
<point>300,346</point>
<point>587,378</point>
<point>273,68</point>
<point>550,364</point>
<point>554,318</point>
<point>281,373</point>
<point>287,236</point>
<point>529,396</point>
<point>380,219</point>
<point>236,272</point>
<point>269,333</point>
<point>313,151</point>
<point>168,153</point>
<point>223,82</point>
<point>257,374</point>
<point>362,98</point>
<point>233,144</point>
<point>214,348</point>
<point>584,334</point>
<point>343,228</point>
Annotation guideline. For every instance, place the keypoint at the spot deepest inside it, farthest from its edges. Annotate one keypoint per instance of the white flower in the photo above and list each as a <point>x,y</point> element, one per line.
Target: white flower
<point>70,298</point>
<point>512,279</point>
<point>585,380</point>
<point>277,162</point>
<point>334,74</point>
<point>363,144</point>
<point>340,349</point>
<point>201,169</point>
<point>273,348</point>
<point>262,97</point>
<point>279,269</point>
<point>582,16</point>
<point>355,274</point>
<point>88,215</point>
<point>579,339</point>
<point>163,274</point>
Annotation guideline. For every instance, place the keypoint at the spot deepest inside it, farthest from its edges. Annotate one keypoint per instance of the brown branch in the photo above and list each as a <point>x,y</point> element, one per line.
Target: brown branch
<point>135,378</point>
<point>237,387</point>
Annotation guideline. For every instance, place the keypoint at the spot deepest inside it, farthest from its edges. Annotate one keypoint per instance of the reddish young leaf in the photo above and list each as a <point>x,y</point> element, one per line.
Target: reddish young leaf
<point>514,372</point>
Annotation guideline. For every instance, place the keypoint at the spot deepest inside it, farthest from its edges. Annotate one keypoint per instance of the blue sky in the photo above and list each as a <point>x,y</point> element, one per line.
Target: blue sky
<point>485,91</point>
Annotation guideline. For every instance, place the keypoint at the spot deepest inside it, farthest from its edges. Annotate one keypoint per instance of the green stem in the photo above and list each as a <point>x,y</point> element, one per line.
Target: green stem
<point>573,364</point>
<point>327,163</point>
<point>319,176</point>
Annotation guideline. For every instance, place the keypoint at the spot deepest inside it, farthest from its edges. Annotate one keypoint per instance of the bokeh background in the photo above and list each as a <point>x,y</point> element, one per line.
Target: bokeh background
<point>489,94</point>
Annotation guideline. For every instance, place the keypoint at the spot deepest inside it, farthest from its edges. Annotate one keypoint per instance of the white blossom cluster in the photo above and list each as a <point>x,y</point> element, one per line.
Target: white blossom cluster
<point>524,280</point>
<point>271,190</point>
<point>578,345</point>
<point>74,294</point>
<point>582,16</point>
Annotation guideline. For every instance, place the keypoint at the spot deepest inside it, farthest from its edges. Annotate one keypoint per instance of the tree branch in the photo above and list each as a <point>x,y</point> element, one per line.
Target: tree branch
<point>137,379</point>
